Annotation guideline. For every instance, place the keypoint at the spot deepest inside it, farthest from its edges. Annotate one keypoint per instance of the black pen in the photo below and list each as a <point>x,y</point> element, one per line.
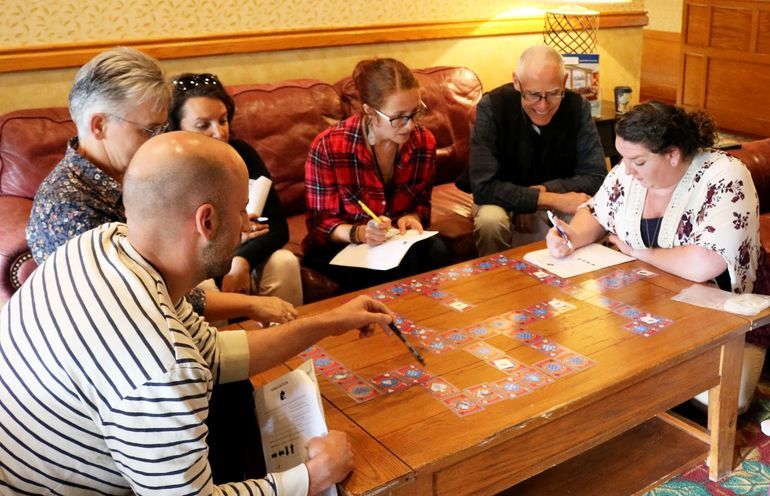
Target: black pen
<point>397,332</point>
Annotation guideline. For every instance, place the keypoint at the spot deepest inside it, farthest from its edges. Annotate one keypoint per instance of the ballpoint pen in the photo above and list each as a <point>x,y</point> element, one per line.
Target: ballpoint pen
<point>558,229</point>
<point>414,352</point>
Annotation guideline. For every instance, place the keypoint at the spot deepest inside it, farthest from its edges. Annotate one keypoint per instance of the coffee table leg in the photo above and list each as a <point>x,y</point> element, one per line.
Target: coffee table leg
<point>723,409</point>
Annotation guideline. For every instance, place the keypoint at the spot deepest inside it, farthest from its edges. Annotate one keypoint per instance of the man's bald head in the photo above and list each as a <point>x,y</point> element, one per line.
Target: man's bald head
<point>171,175</point>
<point>538,57</point>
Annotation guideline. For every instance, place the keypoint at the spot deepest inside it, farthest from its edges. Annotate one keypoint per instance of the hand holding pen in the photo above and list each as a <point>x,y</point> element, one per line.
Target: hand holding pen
<point>378,229</point>
<point>559,243</point>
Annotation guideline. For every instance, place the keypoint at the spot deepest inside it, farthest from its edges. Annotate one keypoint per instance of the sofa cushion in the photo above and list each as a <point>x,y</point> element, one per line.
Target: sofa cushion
<point>280,121</point>
<point>16,263</point>
<point>31,143</point>
<point>451,94</point>
<point>756,156</point>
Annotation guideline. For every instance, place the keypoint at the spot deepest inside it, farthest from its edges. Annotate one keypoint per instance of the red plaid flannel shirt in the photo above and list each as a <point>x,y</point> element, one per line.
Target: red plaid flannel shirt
<point>340,170</point>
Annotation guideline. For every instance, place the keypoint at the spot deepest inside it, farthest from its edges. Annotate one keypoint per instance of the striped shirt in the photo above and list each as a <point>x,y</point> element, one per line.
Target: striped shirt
<point>105,382</point>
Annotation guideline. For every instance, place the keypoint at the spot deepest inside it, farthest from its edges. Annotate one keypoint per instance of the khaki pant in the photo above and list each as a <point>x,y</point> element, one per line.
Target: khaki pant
<point>493,229</point>
<point>279,276</point>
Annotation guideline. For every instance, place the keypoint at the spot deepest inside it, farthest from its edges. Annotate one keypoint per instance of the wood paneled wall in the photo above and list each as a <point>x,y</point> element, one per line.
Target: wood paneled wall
<point>660,65</point>
<point>725,63</point>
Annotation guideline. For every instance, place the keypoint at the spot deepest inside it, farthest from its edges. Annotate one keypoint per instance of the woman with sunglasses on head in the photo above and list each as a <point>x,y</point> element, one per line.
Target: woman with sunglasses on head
<point>381,158</point>
<point>680,206</point>
<point>200,104</point>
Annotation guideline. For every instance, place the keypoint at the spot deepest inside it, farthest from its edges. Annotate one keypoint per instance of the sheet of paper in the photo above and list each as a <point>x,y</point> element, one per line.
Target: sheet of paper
<point>711,297</point>
<point>586,259</point>
<point>290,413</point>
<point>382,257</point>
<point>258,191</point>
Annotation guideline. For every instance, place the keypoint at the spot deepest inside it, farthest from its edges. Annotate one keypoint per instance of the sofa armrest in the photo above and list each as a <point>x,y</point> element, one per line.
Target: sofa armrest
<point>16,263</point>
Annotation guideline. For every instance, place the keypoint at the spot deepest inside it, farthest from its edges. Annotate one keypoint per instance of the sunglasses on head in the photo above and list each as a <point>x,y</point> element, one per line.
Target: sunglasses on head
<point>185,83</point>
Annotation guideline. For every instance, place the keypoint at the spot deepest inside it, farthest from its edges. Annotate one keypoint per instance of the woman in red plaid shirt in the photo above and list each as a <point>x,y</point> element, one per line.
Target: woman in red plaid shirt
<point>382,158</point>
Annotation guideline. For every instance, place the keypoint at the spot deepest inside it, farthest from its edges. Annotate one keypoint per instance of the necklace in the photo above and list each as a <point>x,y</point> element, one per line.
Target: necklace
<point>651,241</point>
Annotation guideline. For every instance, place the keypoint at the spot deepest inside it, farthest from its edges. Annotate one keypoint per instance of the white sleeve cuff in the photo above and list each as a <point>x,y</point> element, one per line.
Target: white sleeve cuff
<point>233,356</point>
<point>293,482</point>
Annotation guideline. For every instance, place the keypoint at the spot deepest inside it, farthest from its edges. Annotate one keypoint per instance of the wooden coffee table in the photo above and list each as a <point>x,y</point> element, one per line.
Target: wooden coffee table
<point>602,430</point>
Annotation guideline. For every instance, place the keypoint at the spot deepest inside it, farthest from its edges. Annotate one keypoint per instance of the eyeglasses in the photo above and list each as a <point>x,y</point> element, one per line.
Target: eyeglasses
<point>403,120</point>
<point>151,131</point>
<point>187,82</point>
<point>536,96</point>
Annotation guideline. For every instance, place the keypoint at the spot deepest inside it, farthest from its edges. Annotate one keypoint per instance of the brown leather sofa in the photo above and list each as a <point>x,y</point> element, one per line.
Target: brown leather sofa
<point>280,121</point>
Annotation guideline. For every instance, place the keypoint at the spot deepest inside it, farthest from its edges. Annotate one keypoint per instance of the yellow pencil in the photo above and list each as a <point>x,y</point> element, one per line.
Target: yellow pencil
<point>368,211</point>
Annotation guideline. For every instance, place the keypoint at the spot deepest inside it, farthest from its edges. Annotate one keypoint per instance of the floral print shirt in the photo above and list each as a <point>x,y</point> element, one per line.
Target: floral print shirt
<point>715,206</point>
<point>76,197</point>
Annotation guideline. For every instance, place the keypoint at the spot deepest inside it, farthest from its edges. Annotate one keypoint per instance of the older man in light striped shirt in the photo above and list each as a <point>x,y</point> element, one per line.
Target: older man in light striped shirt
<point>106,371</point>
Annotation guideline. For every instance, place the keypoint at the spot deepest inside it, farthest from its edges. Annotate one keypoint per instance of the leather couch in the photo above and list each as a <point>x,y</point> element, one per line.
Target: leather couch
<point>280,121</point>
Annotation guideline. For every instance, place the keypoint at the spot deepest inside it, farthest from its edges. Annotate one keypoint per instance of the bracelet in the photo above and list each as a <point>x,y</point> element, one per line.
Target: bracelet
<point>354,234</point>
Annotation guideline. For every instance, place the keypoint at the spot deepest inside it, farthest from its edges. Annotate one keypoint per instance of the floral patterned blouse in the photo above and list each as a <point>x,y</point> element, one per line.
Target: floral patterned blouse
<point>715,206</point>
<point>75,197</point>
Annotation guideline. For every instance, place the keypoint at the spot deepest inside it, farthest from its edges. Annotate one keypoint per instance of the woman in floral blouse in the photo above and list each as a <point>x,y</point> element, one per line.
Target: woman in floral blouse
<point>678,205</point>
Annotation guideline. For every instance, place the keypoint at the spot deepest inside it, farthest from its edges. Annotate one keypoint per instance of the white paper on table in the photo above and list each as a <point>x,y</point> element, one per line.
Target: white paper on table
<point>586,259</point>
<point>711,297</point>
<point>258,191</point>
<point>290,413</point>
<point>382,257</point>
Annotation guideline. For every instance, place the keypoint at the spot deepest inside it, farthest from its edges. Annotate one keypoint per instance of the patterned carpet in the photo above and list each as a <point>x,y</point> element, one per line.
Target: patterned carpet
<point>752,475</point>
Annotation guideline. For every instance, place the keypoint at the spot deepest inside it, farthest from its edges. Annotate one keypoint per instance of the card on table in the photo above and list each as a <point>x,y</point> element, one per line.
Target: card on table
<point>457,337</point>
<point>540,311</point>
<point>439,387</point>
<point>548,347</point>
<point>525,336</point>
<point>359,390</point>
<point>578,292</point>
<point>484,394</point>
<point>324,363</point>
<point>499,324</point>
<point>553,367</point>
<point>560,306</point>
<point>533,378</point>
<point>339,374</point>
<point>312,352</point>
<point>641,329</point>
<point>484,351</point>
<point>605,302</point>
<point>462,405</point>
<point>520,318</point>
<point>382,296</point>
<point>656,321</point>
<point>413,374</point>
<point>458,305</point>
<point>576,361</point>
<point>628,312</point>
<point>508,365</point>
<point>481,331</point>
<point>510,388</point>
<point>437,345</point>
<point>485,265</point>
<point>389,383</point>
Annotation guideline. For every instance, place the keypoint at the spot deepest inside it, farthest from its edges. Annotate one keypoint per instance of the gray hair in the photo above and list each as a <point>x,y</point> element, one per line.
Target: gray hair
<point>115,82</point>
<point>538,56</point>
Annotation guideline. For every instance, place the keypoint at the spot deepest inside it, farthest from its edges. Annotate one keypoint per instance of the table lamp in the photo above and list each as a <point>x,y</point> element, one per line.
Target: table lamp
<point>571,28</point>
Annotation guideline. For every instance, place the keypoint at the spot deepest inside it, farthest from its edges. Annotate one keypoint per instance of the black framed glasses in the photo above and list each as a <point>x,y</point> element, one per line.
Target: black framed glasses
<point>187,82</point>
<point>150,131</point>
<point>536,96</point>
<point>403,120</point>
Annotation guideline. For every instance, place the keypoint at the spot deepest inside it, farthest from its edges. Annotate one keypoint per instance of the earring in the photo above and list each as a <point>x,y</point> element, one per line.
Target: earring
<point>370,137</point>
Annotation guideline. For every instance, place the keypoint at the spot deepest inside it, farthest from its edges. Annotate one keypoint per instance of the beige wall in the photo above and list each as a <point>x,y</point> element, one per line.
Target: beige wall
<point>665,15</point>
<point>34,22</point>
<point>492,58</point>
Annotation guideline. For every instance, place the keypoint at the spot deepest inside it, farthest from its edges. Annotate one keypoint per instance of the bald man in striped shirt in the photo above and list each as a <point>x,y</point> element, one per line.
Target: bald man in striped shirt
<point>106,371</point>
